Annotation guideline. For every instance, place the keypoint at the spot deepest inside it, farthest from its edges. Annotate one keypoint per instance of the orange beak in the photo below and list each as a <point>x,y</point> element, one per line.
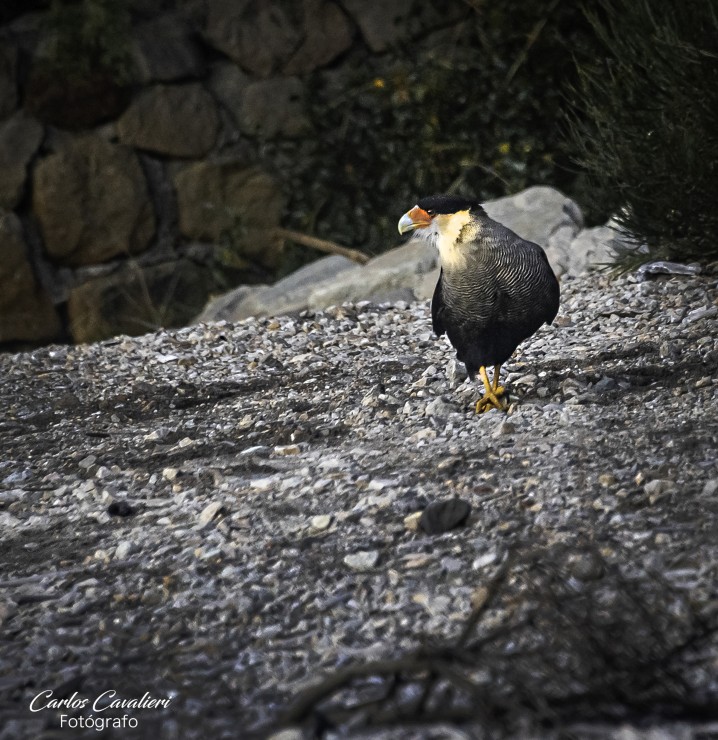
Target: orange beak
<point>416,218</point>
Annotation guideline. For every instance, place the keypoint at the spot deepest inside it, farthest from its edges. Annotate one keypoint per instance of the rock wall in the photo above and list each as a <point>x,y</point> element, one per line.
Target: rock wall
<point>114,193</point>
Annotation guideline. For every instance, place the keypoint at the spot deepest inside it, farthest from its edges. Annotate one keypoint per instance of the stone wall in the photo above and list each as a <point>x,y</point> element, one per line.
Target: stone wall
<point>114,194</point>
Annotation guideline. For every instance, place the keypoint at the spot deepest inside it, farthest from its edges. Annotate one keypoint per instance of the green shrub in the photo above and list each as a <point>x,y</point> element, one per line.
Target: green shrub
<point>645,123</point>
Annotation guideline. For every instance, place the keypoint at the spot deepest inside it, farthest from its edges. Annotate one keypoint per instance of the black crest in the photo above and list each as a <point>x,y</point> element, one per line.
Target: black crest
<point>448,204</point>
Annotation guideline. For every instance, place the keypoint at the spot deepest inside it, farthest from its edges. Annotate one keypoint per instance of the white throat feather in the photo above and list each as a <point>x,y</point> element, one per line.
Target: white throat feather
<point>444,233</point>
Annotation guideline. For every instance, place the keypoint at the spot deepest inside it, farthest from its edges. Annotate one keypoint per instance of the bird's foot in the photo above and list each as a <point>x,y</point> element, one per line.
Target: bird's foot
<point>492,399</point>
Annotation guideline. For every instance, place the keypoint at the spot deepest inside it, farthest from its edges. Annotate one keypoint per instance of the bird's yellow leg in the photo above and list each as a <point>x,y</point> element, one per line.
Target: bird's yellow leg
<point>492,392</point>
<point>498,389</point>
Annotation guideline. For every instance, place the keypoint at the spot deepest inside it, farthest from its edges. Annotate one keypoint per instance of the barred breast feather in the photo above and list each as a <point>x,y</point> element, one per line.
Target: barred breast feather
<point>499,294</point>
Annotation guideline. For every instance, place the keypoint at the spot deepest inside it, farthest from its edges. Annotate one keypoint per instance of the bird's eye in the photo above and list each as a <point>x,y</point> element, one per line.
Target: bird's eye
<point>430,212</point>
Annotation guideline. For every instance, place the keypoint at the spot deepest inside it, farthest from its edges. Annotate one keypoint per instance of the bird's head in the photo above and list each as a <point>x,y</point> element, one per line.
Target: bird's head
<point>443,219</point>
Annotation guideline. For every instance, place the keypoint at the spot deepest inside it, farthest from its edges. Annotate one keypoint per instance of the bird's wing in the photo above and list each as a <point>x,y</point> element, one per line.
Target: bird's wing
<point>437,308</point>
<point>545,288</point>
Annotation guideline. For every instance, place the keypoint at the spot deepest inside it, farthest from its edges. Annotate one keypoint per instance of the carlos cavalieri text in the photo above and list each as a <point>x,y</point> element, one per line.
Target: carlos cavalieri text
<point>103,702</point>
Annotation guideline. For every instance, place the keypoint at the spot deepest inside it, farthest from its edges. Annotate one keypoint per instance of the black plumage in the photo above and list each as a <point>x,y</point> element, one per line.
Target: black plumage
<point>494,291</point>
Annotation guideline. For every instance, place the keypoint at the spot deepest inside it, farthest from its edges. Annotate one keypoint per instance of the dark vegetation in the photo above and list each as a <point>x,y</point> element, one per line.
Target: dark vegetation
<point>644,124</point>
<point>614,103</point>
<point>471,108</point>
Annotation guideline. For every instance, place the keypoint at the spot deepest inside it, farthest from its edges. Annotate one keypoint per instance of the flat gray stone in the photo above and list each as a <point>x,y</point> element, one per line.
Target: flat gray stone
<point>590,248</point>
<point>289,295</point>
<point>392,275</point>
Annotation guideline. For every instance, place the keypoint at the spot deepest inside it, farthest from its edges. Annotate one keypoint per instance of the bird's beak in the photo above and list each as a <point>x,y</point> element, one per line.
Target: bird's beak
<point>416,218</point>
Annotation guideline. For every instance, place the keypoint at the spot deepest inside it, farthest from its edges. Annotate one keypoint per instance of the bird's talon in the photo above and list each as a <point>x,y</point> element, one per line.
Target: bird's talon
<point>491,401</point>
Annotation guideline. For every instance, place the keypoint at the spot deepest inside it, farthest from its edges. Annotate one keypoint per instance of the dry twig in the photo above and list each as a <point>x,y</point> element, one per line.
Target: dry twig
<point>321,245</point>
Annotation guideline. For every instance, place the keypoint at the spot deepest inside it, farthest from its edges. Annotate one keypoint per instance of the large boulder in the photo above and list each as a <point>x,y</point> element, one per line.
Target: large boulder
<point>391,276</point>
<point>289,295</point>
<point>327,34</point>
<point>593,247</point>
<point>232,202</point>
<point>20,137</point>
<point>165,50</point>
<point>228,83</point>
<point>173,120</point>
<point>266,38</point>
<point>272,108</point>
<point>26,311</point>
<point>91,201</point>
<point>134,300</point>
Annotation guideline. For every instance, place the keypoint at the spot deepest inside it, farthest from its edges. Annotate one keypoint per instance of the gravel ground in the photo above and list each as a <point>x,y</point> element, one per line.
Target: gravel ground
<point>224,515</point>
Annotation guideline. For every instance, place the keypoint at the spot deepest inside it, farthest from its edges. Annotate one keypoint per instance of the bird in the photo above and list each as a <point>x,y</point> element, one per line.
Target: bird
<point>495,289</point>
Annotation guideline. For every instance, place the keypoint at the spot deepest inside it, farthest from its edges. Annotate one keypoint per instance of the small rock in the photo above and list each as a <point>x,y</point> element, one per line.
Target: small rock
<point>605,384</point>
<point>417,560</point>
<point>230,572</point>
<point>435,605</point>
<point>209,513</point>
<point>442,516</point>
<point>656,488</point>
<point>257,450</point>
<point>455,373</point>
<point>102,555</point>
<point>123,550</point>
<point>158,435</point>
<point>120,508</point>
<point>607,480</point>
<point>287,450</point>
<point>8,609</point>
<point>320,522</point>
<point>170,473</point>
<point>452,565</point>
<point>422,435</point>
<point>288,734</point>
<point>362,561</point>
<point>264,484</point>
<point>505,427</point>
<point>87,462</point>
<point>438,408</point>
<point>484,560</point>
<point>528,379</point>
<point>7,520</point>
<point>701,313</point>
<point>411,522</point>
<point>711,487</point>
